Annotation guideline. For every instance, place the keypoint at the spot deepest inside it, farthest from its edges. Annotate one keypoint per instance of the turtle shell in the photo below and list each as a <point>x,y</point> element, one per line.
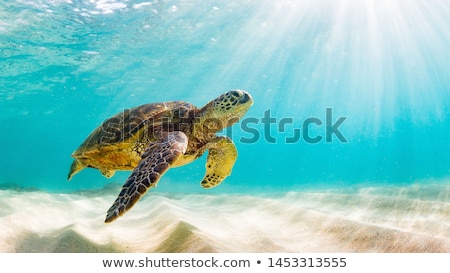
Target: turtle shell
<point>130,131</point>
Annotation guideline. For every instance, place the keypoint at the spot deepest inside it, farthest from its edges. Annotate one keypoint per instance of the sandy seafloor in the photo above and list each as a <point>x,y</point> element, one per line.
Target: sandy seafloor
<point>413,218</point>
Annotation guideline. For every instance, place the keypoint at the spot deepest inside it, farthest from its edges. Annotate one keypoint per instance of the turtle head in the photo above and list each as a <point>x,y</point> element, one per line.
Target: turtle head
<point>225,110</point>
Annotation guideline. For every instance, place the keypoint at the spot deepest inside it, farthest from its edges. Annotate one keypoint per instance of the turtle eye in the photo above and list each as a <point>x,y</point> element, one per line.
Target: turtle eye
<point>245,98</point>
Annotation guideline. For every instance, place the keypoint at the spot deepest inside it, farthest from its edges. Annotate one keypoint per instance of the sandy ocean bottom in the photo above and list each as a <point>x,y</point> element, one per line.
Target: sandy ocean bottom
<point>372,219</point>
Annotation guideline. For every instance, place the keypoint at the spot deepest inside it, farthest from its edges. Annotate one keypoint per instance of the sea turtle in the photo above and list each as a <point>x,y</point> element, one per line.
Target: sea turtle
<point>151,138</point>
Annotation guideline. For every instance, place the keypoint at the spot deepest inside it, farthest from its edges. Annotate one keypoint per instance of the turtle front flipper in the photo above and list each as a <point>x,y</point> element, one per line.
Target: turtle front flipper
<point>221,157</point>
<point>156,160</point>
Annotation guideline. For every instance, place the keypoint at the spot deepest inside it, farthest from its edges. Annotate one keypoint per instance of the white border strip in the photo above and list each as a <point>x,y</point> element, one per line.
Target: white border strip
<point>279,262</point>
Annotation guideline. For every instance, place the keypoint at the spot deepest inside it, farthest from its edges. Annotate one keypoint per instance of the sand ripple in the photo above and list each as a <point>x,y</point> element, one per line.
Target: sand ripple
<point>412,219</point>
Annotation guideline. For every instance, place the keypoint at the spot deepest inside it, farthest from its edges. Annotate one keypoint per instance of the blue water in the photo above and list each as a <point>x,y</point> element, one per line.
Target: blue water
<point>384,66</point>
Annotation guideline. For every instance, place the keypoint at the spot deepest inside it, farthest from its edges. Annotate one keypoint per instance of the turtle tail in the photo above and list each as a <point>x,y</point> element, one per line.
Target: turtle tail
<point>76,167</point>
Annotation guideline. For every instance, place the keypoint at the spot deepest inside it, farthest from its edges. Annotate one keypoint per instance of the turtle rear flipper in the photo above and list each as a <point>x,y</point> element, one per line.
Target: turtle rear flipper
<point>107,173</point>
<point>156,160</point>
<point>76,167</point>
<point>221,157</point>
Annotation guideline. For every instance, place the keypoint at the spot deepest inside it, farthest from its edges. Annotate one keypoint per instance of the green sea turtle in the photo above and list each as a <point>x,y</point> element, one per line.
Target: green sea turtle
<point>151,138</point>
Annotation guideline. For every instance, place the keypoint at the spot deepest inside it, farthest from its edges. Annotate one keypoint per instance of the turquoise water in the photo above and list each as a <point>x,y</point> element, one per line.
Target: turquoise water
<point>67,65</point>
